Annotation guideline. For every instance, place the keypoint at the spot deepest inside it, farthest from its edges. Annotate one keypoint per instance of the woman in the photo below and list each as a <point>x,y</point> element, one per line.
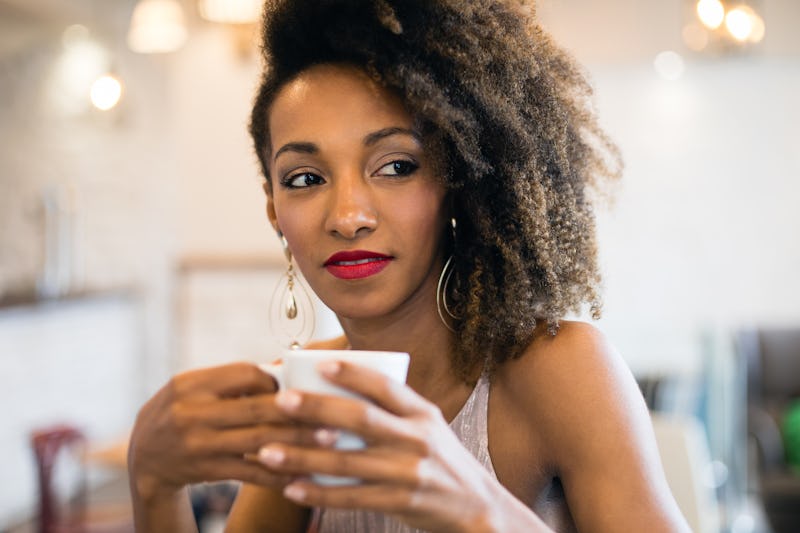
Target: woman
<point>429,165</point>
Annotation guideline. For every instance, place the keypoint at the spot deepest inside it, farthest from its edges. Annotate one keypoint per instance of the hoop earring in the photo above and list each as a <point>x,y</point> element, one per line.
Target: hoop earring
<point>291,310</point>
<point>442,287</point>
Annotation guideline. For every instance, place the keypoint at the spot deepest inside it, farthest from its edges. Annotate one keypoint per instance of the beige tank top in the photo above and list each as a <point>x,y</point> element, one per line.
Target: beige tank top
<point>469,425</point>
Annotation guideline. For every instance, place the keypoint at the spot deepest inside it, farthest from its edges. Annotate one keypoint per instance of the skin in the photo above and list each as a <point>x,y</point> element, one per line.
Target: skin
<point>569,434</point>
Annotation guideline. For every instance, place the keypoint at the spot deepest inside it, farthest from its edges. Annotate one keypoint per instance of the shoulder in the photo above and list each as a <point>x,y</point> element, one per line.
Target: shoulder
<point>577,355</point>
<point>570,386</point>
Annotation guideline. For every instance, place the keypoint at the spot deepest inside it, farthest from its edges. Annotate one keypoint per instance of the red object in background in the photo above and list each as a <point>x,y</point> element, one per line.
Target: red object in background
<point>47,444</point>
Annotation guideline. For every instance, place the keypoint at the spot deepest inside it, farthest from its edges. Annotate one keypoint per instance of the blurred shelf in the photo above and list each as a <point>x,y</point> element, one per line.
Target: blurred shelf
<point>30,299</point>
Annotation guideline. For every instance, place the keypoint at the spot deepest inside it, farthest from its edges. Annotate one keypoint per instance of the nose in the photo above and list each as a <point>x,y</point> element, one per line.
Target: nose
<point>351,208</point>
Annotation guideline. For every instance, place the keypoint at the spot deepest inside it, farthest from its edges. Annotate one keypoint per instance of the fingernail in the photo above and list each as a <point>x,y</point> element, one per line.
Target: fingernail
<point>326,437</point>
<point>329,368</point>
<point>288,399</point>
<point>271,456</point>
<point>295,492</point>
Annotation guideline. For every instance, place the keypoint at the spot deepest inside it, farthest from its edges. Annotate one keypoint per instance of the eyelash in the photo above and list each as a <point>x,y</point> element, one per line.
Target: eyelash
<point>412,167</point>
<point>409,168</point>
<point>289,180</point>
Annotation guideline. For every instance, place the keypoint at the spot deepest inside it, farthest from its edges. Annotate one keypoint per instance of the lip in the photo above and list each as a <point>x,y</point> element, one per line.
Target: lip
<point>356,264</point>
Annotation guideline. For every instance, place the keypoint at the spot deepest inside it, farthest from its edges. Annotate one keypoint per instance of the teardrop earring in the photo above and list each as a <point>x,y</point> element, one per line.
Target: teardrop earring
<point>291,309</point>
<point>291,302</point>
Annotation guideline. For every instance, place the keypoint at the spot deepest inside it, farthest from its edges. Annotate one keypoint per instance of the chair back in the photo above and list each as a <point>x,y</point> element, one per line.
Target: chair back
<point>50,446</point>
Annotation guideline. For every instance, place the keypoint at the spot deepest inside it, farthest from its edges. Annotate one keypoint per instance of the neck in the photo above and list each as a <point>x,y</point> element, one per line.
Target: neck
<point>420,333</point>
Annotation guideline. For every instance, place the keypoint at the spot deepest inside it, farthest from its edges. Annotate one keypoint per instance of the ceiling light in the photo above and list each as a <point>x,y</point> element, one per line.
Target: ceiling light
<point>739,22</point>
<point>105,92</point>
<point>711,13</point>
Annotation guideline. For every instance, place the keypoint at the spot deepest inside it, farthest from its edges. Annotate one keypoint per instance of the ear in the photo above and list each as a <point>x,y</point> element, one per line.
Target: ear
<point>271,215</point>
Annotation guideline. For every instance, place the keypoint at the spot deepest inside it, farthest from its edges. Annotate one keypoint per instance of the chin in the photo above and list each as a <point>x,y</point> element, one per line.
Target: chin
<point>359,308</point>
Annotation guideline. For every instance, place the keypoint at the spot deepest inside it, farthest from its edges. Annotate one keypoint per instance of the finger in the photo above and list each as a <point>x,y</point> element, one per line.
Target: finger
<point>240,441</point>
<point>367,464</point>
<point>371,497</point>
<point>333,411</point>
<point>393,396</point>
<point>239,469</point>
<point>234,412</point>
<point>233,379</point>
<point>358,416</point>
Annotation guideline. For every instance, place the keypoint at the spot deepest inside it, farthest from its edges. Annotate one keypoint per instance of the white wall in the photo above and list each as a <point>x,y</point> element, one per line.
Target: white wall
<point>220,202</point>
<point>704,232</point>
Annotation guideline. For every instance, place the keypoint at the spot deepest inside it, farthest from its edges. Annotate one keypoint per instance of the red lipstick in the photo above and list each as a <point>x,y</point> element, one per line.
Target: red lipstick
<point>356,264</point>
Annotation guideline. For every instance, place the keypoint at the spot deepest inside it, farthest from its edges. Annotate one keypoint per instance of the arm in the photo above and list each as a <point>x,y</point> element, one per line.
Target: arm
<point>203,425</point>
<point>265,509</point>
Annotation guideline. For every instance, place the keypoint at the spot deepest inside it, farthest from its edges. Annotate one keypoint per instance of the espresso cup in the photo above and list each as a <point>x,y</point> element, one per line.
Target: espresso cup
<point>298,370</point>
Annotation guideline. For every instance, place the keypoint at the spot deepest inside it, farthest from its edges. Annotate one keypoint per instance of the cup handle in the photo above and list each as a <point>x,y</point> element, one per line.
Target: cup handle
<point>277,370</point>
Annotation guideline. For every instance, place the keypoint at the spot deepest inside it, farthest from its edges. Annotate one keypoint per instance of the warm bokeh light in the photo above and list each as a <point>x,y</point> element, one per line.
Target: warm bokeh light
<point>669,65</point>
<point>79,64</point>
<point>157,26</point>
<point>711,13</point>
<point>695,37</point>
<point>231,11</point>
<point>759,29</point>
<point>106,92</point>
<point>740,23</point>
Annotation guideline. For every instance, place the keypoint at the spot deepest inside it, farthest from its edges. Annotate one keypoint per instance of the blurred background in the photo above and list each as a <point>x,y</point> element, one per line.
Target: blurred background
<point>134,242</point>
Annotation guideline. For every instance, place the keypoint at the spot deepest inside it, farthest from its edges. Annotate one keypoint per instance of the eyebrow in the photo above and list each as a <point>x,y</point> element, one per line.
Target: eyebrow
<point>301,147</point>
<point>376,136</point>
<point>369,140</point>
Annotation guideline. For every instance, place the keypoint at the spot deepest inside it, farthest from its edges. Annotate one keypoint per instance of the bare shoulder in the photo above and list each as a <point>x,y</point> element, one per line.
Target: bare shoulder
<point>576,363</point>
<point>571,388</point>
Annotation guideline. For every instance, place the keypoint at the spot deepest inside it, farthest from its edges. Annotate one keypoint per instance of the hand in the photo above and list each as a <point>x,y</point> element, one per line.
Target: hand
<point>413,467</point>
<point>202,425</point>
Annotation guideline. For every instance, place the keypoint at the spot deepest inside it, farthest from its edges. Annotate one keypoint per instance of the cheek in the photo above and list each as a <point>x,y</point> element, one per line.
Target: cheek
<point>423,216</point>
<point>294,228</point>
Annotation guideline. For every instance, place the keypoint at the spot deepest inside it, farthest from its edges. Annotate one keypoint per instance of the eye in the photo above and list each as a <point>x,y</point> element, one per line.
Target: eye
<point>302,180</point>
<point>401,167</point>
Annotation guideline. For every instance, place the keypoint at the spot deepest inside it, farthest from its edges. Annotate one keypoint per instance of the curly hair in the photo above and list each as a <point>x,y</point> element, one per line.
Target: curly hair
<point>510,116</point>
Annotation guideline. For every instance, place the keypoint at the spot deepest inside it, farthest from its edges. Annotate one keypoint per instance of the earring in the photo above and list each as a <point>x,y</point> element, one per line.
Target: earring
<point>291,309</point>
<point>291,302</point>
<point>442,287</point>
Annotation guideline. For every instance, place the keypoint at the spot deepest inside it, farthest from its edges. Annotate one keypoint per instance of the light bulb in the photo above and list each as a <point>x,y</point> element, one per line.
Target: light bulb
<point>739,22</point>
<point>105,92</point>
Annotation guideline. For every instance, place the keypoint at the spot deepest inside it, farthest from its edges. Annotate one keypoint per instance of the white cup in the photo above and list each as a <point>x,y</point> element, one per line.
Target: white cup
<point>298,370</point>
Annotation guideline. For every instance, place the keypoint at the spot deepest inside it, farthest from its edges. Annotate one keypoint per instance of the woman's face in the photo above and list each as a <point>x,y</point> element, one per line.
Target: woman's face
<point>354,192</point>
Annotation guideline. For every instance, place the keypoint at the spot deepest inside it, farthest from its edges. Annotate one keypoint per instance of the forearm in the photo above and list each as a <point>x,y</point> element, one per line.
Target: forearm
<point>162,511</point>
